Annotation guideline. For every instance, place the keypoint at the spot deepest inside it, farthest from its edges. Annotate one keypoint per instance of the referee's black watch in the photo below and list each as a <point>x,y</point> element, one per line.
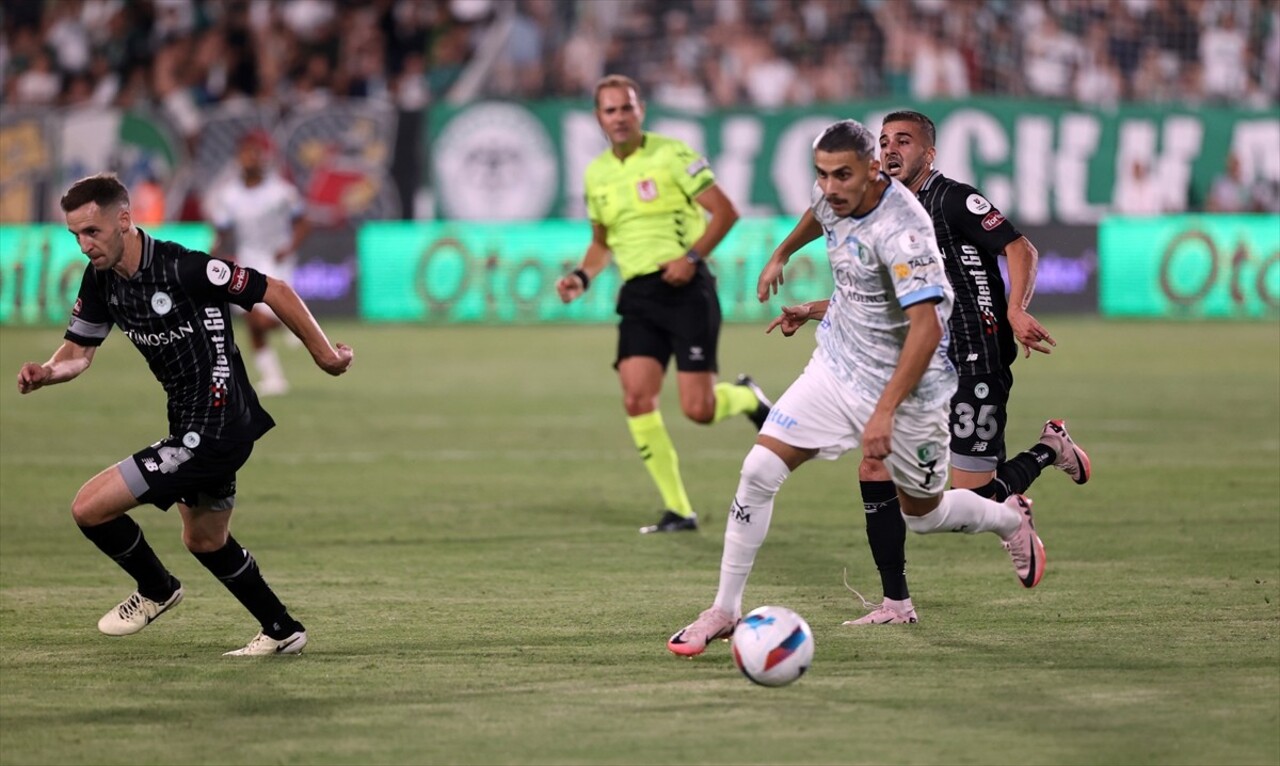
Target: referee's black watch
<point>693,256</point>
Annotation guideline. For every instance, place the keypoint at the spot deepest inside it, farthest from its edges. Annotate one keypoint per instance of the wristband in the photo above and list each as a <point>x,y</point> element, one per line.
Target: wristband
<point>582,274</point>
<point>693,257</point>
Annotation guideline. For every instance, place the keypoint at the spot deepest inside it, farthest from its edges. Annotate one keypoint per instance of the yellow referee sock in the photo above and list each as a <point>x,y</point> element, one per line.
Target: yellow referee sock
<point>659,454</point>
<point>733,400</point>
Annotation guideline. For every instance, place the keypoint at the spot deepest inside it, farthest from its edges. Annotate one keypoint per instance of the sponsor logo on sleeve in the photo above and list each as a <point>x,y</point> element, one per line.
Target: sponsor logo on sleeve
<point>239,279</point>
<point>698,167</point>
<point>993,219</point>
<point>647,190</point>
<point>191,439</point>
<point>977,204</point>
<point>219,272</point>
<point>901,270</point>
<point>75,310</point>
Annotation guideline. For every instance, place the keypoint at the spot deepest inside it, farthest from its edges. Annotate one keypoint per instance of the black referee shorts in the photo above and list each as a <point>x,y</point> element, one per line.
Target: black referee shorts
<point>187,469</point>
<point>659,320</point>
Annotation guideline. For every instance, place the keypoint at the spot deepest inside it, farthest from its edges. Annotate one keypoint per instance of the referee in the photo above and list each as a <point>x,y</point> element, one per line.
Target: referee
<point>646,197</point>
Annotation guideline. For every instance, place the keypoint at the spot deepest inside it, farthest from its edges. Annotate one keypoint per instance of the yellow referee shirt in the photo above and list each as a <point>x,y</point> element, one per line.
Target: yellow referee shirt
<point>646,202</point>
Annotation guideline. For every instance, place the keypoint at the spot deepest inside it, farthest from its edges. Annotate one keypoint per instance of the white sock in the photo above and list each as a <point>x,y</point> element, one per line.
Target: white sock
<point>762,475</point>
<point>268,364</point>
<point>965,511</point>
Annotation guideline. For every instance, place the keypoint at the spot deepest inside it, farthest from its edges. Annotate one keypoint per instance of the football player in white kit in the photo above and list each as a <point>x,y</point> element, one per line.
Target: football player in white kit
<point>879,377</point>
<point>265,213</point>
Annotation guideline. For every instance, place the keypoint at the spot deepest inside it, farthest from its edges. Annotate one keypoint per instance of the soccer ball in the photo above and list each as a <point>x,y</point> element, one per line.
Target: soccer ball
<point>773,646</point>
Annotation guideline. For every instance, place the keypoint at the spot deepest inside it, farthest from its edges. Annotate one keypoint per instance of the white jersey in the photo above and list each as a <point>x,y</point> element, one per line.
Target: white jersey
<point>261,216</point>
<point>882,263</point>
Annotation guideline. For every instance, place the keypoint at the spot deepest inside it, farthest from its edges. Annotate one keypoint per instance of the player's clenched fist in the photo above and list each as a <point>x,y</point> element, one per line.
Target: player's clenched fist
<point>31,377</point>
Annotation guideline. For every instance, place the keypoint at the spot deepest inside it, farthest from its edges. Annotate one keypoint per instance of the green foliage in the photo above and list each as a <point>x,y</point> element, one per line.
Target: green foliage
<point>455,521</point>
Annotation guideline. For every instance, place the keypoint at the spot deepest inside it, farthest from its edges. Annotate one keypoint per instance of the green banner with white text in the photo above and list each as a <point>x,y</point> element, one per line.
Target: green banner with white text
<point>1039,162</point>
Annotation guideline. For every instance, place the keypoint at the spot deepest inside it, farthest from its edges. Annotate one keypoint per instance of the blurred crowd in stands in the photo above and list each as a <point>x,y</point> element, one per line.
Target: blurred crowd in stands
<point>689,54</point>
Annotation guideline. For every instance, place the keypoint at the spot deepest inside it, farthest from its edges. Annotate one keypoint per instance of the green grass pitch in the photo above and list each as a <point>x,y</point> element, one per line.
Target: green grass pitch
<point>455,522</point>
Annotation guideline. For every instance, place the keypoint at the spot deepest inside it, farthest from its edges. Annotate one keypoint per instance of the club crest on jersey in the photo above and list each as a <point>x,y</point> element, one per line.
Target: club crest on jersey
<point>219,273</point>
<point>161,303</point>
<point>977,204</point>
<point>647,189</point>
<point>928,451</point>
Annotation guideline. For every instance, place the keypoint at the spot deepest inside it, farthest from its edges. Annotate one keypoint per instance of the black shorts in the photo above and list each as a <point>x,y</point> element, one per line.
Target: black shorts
<point>187,469</point>
<point>979,412</point>
<point>659,320</point>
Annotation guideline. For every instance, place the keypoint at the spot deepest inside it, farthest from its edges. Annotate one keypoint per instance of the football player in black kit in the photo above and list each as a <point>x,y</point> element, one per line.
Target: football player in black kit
<point>172,304</point>
<point>984,331</point>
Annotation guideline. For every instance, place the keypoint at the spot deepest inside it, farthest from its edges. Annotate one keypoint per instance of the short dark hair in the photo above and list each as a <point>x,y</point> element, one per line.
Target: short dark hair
<point>104,189</point>
<point>845,136</point>
<point>617,81</point>
<point>923,121</point>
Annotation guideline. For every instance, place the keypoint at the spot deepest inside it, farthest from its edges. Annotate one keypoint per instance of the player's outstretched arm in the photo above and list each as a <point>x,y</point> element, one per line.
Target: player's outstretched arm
<point>333,359</point>
<point>793,318</point>
<point>67,362</point>
<point>1023,257</point>
<point>576,282</point>
<point>807,229</point>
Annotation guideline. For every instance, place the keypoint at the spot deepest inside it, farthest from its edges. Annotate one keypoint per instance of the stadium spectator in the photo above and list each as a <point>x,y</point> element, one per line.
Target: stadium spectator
<point>1051,58</point>
<point>985,329</point>
<point>938,70</point>
<point>172,304</point>
<point>40,84</point>
<point>742,51</point>
<point>1138,192</point>
<point>875,380</point>
<point>1229,193</point>
<point>1223,56</point>
<point>1098,80</point>
<point>646,195</point>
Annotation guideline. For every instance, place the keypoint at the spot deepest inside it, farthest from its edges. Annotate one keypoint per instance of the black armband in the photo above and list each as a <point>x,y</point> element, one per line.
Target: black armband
<point>582,274</point>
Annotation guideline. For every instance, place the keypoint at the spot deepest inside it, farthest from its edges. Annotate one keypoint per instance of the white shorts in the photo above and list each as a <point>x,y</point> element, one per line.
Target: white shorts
<point>818,411</point>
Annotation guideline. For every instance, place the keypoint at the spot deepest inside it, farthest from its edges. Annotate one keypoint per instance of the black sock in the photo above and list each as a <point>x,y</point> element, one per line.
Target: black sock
<point>992,490</point>
<point>237,570</point>
<point>1019,473</point>
<point>122,540</point>
<point>887,536</point>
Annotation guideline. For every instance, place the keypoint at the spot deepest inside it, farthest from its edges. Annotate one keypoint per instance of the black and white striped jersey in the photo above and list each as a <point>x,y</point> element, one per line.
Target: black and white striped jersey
<point>971,233</point>
<point>175,312</point>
